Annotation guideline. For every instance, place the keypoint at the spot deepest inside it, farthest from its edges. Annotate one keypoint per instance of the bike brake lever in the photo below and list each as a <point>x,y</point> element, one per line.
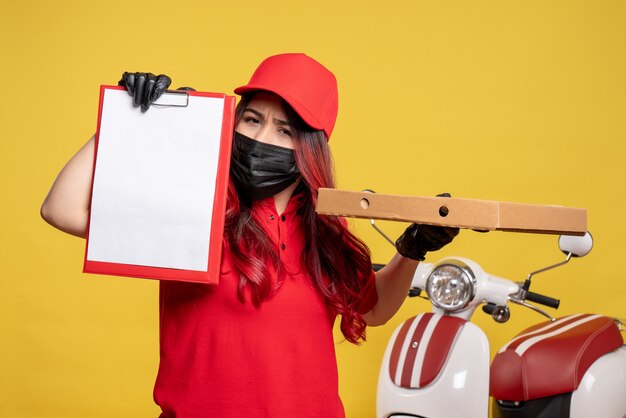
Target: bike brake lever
<point>532,307</point>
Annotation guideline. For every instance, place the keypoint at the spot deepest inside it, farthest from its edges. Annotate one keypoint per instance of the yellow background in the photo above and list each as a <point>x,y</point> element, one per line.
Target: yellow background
<point>506,100</point>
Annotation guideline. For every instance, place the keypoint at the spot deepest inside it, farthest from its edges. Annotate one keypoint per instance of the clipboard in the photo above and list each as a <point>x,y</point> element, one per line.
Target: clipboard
<point>159,186</point>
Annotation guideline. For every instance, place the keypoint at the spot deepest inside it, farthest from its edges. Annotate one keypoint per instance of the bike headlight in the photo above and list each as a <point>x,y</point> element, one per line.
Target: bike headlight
<point>450,286</point>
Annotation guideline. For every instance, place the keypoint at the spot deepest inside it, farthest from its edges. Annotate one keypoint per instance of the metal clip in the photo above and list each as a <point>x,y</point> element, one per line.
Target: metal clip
<point>186,93</point>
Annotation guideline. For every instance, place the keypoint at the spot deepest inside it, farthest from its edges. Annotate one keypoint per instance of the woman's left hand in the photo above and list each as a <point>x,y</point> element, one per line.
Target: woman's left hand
<point>417,240</point>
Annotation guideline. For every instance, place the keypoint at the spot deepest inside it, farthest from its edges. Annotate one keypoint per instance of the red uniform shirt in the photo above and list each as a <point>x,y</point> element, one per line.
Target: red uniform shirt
<point>223,358</point>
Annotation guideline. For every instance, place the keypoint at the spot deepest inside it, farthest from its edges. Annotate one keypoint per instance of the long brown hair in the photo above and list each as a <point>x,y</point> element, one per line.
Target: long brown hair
<point>336,260</point>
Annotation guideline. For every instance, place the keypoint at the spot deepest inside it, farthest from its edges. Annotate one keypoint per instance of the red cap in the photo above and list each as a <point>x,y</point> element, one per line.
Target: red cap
<point>308,86</point>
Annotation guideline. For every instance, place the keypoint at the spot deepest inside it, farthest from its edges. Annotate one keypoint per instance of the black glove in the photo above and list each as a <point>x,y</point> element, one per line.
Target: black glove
<point>417,240</point>
<point>144,87</point>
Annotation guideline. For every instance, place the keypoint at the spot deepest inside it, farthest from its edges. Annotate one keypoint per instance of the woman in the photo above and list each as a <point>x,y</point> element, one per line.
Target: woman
<point>260,343</point>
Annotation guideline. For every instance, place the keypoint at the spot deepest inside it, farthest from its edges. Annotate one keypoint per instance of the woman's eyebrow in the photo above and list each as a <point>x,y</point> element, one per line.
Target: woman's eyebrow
<point>262,116</point>
<point>281,122</point>
<point>256,113</point>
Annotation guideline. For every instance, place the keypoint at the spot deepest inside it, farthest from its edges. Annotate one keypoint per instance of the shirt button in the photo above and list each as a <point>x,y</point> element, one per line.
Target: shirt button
<point>271,217</point>
<point>282,218</point>
<point>282,246</point>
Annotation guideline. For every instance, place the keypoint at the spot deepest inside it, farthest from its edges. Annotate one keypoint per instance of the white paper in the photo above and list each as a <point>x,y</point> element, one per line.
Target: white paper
<point>154,182</point>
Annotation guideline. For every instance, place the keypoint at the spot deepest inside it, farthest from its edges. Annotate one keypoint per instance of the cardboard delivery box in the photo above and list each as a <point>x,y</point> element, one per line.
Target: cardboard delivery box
<point>486,215</point>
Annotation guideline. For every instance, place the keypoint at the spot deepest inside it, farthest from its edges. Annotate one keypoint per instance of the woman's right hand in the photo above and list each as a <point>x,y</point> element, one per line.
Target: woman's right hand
<point>144,87</point>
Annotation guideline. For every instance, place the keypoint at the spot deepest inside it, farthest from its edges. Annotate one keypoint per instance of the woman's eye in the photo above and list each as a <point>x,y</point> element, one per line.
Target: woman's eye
<point>252,120</point>
<point>286,132</point>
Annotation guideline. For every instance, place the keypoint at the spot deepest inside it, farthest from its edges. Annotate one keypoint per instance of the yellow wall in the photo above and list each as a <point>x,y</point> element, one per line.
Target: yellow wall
<point>506,100</point>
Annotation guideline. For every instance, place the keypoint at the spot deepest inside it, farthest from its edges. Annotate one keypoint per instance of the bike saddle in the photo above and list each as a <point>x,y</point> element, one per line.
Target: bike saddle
<point>551,358</point>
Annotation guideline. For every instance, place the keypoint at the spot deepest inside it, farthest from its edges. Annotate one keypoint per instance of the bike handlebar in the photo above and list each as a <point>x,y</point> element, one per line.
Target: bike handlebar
<point>543,300</point>
<point>531,296</point>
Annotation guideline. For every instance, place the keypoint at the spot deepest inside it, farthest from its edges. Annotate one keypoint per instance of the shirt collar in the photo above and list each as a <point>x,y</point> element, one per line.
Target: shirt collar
<point>295,202</point>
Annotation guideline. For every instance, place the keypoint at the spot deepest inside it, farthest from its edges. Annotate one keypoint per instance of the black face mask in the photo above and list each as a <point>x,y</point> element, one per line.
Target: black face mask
<point>261,170</point>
